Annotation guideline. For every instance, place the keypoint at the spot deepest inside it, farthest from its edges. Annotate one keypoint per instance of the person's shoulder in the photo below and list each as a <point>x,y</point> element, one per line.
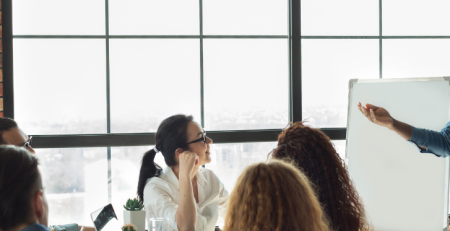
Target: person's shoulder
<point>35,227</point>
<point>155,189</point>
<point>67,227</point>
<point>156,182</point>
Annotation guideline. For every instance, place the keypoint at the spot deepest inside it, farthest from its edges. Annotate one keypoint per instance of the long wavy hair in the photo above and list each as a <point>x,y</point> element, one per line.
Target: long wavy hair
<point>274,196</point>
<point>314,154</point>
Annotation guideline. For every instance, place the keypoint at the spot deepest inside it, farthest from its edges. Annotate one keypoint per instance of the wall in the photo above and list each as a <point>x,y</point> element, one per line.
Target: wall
<point>1,64</point>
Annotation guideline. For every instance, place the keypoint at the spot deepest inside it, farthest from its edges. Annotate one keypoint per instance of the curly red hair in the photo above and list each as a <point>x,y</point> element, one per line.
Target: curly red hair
<point>274,196</point>
<point>314,154</point>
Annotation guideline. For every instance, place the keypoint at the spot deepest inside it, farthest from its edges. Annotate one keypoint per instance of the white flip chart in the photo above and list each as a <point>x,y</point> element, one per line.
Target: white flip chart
<point>401,188</point>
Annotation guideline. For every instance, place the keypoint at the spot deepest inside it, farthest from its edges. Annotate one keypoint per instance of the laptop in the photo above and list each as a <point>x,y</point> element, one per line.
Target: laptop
<point>105,219</point>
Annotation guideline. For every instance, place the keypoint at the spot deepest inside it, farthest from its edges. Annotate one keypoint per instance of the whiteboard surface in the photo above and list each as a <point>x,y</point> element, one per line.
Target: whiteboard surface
<point>401,188</point>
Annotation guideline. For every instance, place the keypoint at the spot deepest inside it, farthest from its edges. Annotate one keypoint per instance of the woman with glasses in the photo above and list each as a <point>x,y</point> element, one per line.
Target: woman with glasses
<point>185,193</point>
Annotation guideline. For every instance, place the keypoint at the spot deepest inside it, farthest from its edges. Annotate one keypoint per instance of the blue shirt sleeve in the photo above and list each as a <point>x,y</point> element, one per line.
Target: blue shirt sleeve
<point>437,143</point>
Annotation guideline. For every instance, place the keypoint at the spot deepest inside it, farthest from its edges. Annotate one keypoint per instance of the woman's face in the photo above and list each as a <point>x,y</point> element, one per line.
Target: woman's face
<point>195,132</point>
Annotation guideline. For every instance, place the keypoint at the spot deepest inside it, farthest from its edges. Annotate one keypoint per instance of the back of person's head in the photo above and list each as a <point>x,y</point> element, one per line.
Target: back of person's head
<point>6,124</point>
<point>20,182</point>
<point>314,154</point>
<point>170,136</point>
<point>274,196</point>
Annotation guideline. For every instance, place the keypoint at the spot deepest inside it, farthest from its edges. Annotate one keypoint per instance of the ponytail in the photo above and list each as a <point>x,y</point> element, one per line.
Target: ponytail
<point>171,134</point>
<point>148,170</point>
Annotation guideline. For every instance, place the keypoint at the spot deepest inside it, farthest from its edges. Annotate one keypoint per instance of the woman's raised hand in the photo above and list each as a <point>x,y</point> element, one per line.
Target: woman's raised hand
<point>377,115</point>
<point>187,161</point>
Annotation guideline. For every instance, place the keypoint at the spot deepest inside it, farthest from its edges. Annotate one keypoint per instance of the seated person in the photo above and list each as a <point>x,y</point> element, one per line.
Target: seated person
<point>314,154</point>
<point>23,205</point>
<point>185,193</point>
<point>274,196</point>
<point>10,133</point>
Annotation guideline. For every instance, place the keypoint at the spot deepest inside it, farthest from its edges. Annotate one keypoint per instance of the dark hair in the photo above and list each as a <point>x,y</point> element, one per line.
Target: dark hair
<point>171,135</point>
<point>314,154</point>
<point>19,180</point>
<point>5,125</point>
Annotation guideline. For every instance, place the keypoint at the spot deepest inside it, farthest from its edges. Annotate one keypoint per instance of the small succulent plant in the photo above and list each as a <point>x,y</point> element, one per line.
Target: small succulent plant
<point>133,205</point>
<point>129,227</point>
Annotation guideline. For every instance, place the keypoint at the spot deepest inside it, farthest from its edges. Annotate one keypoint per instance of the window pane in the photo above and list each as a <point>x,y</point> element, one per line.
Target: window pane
<point>328,65</point>
<point>348,17</point>
<point>152,79</point>
<point>246,83</point>
<point>229,160</point>
<point>340,146</point>
<point>125,165</point>
<point>416,58</point>
<point>245,17</point>
<point>60,85</point>
<point>416,17</point>
<point>75,181</point>
<point>56,17</point>
<point>153,17</point>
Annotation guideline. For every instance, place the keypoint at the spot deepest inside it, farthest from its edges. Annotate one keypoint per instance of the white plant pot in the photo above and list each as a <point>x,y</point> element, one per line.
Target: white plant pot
<point>137,218</point>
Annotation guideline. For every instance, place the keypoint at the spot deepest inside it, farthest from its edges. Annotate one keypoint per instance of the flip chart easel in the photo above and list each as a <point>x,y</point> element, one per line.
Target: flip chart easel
<point>401,188</point>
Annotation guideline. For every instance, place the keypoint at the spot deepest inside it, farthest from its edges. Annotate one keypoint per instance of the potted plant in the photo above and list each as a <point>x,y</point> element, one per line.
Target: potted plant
<point>128,227</point>
<point>133,214</point>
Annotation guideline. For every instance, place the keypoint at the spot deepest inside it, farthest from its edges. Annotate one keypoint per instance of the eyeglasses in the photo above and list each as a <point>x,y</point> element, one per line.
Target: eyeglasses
<point>198,140</point>
<point>27,144</point>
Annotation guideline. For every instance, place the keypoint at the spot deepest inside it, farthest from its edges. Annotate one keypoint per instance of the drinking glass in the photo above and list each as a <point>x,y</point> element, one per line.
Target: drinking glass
<point>159,224</point>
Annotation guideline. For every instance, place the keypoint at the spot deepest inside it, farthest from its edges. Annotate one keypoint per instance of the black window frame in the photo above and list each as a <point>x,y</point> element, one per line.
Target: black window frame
<point>109,139</point>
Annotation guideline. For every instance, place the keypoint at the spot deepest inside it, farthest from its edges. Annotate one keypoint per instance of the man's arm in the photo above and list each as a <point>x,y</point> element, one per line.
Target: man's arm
<point>381,116</point>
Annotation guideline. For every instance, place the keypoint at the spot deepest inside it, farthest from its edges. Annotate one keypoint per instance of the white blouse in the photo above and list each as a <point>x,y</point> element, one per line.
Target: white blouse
<point>161,196</point>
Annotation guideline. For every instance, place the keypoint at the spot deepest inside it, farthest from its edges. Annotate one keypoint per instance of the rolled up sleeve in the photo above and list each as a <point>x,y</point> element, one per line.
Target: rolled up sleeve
<point>437,143</point>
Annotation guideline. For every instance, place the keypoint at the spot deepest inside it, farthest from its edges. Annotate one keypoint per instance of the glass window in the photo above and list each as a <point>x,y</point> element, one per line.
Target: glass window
<point>327,67</point>
<point>416,17</point>
<point>154,17</point>
<point>229,160</point>
<point>152,79</point>
<point>125,167</point>
<point>60,85</point>
<point>348,17</point>
<point>246,82</point>
<point>75,181</point>
<point>56,17</point>
<point>340,146</point>
<point>245,17</point>
<point>416,58</point>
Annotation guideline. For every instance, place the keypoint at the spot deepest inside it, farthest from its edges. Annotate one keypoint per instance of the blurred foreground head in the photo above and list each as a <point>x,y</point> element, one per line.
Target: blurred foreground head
<point>274,196</point>
<point>22,200</point>
<point>314,154</point>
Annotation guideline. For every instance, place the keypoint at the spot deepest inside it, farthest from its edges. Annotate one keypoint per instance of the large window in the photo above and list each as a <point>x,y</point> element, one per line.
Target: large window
<point>94,78</point>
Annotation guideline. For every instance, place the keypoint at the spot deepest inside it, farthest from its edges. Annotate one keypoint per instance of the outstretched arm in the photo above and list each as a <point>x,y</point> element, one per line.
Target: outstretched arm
<point>381,116</point>
<point>428,141</point>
